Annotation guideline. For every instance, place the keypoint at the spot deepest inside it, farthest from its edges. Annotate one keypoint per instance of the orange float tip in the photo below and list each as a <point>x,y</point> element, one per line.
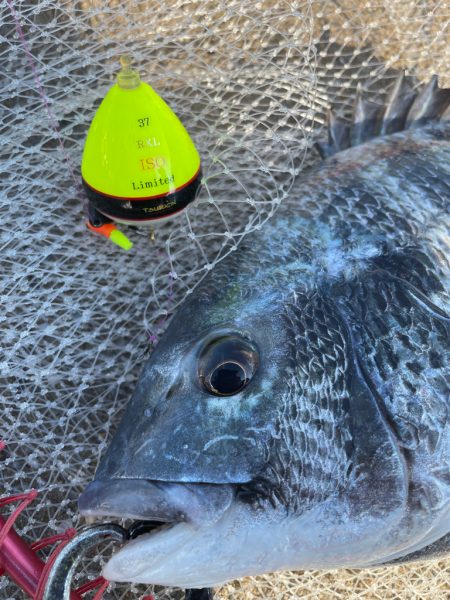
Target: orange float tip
<point>110,231</point>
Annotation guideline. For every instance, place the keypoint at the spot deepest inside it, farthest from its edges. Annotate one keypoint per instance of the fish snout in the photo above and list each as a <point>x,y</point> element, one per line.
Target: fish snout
<point>167,502</point>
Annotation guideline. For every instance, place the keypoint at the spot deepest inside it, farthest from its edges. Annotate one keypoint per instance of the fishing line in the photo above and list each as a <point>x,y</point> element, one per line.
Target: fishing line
<point>45,101</point>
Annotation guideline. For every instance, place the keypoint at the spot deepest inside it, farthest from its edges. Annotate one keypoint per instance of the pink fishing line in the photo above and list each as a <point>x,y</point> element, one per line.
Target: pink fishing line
<point>40,89</point>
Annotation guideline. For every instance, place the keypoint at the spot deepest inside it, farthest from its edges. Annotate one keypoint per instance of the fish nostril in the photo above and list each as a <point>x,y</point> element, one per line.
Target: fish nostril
<point>154,411</point>
<point>171,391</point>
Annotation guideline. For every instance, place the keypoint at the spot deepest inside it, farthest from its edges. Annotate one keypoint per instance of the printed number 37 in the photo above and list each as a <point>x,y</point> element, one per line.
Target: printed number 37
<point>143,122</point>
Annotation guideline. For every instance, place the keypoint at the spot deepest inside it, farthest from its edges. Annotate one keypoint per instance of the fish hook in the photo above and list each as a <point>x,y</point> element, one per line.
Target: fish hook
<point>60,575</point>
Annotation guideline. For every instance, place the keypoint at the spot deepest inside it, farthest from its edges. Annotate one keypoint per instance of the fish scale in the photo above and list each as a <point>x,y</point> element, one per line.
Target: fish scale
<point>324,473</point>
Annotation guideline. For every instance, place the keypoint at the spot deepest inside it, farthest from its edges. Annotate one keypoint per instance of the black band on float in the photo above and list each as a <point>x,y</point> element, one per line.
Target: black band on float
<point>143,209</point>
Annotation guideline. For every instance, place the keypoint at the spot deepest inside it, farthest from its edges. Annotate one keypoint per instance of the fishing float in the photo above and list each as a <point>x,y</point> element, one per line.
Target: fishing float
<point>139,164</point>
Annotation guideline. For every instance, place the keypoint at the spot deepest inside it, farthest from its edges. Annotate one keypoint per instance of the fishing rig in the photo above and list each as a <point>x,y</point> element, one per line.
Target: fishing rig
<point>51,579</point>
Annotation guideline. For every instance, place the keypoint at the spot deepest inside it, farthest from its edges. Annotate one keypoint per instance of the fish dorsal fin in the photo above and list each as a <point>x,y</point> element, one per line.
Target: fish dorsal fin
<point>404,109</point>
<point>366,118</point>
<point>429,104</point>
<point>398,104</point>
<point>338,136</point>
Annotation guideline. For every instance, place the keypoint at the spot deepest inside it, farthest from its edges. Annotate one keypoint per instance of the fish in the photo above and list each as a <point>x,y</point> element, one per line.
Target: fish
<point>295,413</point>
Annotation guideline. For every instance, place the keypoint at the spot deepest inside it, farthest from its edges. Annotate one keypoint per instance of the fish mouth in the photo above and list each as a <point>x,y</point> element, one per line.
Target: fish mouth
<point>156,501</point>
<point>160,511</point>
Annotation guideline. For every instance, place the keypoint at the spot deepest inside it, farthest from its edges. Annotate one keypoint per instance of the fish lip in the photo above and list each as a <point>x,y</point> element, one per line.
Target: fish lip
<point>158,501</point>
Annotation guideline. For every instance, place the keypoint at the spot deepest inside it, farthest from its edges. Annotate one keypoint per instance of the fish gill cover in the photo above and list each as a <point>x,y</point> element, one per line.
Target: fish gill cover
<point>252,83</point>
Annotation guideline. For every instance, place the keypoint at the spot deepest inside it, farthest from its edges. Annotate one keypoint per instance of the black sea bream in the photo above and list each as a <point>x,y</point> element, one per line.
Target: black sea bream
<point>296,412</point>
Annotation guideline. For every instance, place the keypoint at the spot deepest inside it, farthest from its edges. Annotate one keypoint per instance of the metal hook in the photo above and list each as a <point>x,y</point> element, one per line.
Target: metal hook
<point>60,576</point>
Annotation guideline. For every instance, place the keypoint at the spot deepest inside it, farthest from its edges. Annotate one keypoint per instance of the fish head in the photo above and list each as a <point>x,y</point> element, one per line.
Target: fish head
<point>199,426</point>
<point>203,408</point>
<point>255,438</point>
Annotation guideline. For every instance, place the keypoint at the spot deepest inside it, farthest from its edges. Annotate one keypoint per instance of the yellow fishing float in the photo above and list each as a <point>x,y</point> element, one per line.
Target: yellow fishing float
<point>139,163</point>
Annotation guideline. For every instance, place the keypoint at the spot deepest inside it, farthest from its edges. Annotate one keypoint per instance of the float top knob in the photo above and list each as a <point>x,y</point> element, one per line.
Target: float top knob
<point>127,79</point>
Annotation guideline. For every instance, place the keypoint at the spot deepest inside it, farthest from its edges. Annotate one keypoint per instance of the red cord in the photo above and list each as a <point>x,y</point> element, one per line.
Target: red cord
<point>101,591</point>
<point>91,585</point>
<point>53,539</point>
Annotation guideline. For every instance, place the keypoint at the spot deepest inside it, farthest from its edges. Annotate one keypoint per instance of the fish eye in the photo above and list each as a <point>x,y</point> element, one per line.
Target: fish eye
<point>227,365</point>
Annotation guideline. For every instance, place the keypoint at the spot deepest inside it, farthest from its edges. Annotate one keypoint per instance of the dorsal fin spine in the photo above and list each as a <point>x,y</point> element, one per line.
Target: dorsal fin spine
<point>404,108</point>
<point>397,107</point>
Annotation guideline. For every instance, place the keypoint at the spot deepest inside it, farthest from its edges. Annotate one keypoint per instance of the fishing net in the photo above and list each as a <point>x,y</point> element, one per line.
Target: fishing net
<point>252,82</point>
